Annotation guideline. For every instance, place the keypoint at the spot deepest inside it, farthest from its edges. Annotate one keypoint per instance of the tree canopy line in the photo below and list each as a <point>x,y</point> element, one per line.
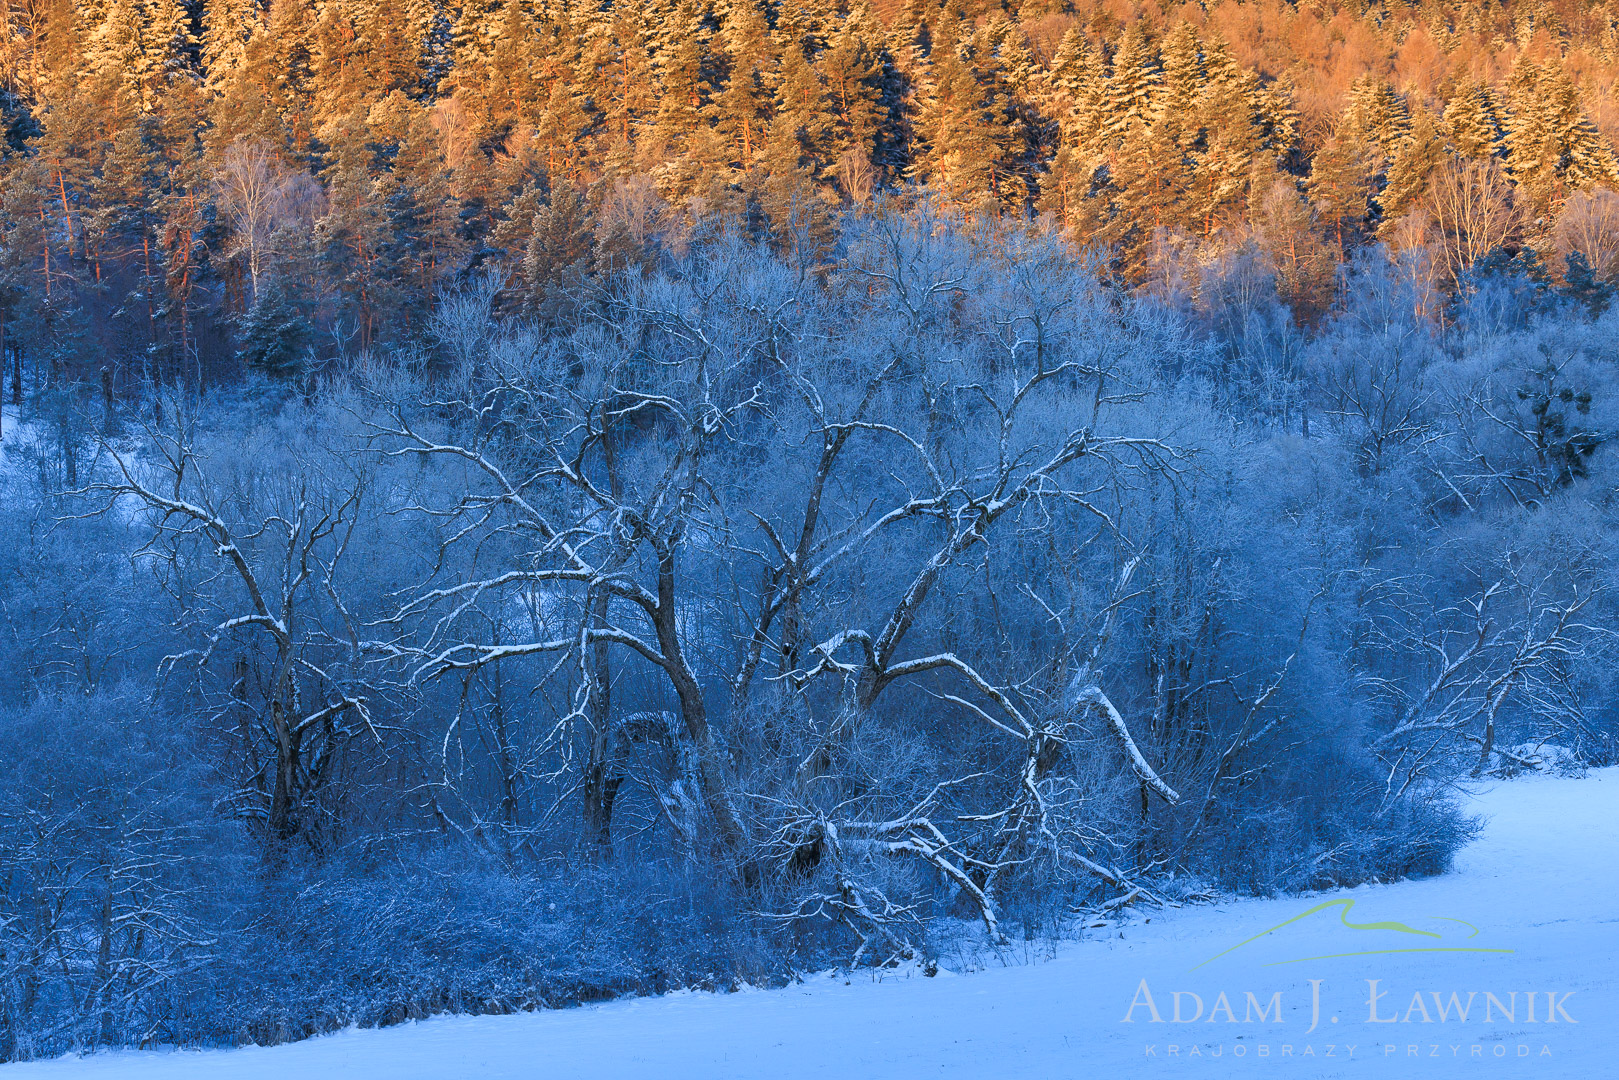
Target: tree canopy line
<point>516,505</point>
<point>189,184</point>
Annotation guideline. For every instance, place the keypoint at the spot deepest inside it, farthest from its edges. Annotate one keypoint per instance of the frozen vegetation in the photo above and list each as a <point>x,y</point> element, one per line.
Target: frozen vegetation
<point>1539,881</point>
<point>753,621</point>
<point>521,518</point>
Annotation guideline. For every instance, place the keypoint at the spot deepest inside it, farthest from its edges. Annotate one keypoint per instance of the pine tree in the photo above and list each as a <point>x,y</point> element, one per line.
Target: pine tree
<point>172,259</point>
<point>744,106</point>
<point>616,73</point>
<point>681,131</point>
<point>1341,187</point>
<point>391,36</point>
<point>1068,72</point>
<point>25,258</point>
<point>1152,176</point>
<point>966,131</point>
<point>338,83</point>
<point>69,147</point>
<point>352,235</point>
<point>800,153</point>
<point>421,243</point>
<point>1024,134</point>
<point>286,66</point>
<point>432,28</point>
<point>123,192</point>
<point>562,131</point>
<point>58,53</point>
<point>477,27</point>
<point>492,72</point>
<point>242,102</point>
<point>1278,119</point>
<point>1074,92</point>
<point>805,24</point>
<point>1014,62</point>
<point>852,72</point>
<point>553,56</point>
<point>361,51</point>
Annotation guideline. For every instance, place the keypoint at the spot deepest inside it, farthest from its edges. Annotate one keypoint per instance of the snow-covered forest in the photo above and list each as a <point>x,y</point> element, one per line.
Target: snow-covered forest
<point>517,505</point>
<point>759,618</point>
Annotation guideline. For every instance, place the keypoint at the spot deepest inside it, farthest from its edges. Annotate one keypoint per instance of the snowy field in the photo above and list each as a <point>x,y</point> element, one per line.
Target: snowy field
<point>1524,933</point>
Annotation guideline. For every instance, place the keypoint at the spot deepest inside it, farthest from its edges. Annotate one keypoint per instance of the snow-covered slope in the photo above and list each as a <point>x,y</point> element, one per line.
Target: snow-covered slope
<point>1530,915</point>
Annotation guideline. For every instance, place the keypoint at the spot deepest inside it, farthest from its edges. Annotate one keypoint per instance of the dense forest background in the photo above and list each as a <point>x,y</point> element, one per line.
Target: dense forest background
<point>186,184</point>
<point>517,504</point>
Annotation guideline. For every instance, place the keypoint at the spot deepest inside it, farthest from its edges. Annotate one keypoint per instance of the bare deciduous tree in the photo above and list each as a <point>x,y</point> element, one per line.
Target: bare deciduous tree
<point>273,545</point>
<point>260,193</point>
<point>1589,224</point>
<point>1474,211</point>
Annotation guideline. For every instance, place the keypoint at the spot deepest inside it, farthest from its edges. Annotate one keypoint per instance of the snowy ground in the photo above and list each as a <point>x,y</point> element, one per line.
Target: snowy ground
<point>1543,882</point>
<point>14,436</point>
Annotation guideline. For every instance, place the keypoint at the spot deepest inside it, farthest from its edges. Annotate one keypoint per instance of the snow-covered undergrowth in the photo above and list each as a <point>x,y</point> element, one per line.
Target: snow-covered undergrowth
<point>1522,937</point>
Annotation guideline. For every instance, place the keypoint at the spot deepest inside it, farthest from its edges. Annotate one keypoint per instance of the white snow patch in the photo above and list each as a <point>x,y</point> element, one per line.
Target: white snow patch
<point>1542,882</point>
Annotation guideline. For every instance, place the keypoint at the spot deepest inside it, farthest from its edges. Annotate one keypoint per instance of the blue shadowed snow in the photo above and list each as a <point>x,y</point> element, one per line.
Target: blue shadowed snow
<point>1542,882</point>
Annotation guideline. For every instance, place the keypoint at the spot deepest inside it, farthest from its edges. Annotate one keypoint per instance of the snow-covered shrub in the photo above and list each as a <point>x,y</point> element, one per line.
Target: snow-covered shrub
<point>749,621</point>
<point>106,874</point>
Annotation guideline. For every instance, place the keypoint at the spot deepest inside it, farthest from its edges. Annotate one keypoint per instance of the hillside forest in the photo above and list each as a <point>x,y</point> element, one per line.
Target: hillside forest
<point>515,504</point>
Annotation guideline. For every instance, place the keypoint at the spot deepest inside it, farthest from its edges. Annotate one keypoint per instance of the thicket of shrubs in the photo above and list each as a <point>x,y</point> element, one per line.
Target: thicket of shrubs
<point>746,620</point>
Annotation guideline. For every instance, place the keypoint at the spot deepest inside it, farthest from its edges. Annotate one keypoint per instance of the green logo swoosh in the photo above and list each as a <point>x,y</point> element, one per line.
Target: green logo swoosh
<point>1344,905</point>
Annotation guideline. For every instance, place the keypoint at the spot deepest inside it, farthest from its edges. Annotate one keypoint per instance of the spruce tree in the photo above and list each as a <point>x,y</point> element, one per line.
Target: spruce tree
<point>1553,149</point>
<point>1375,115</point>
<point>1582,285</point>
<point>1182,59</point>
<point>1228,116</point>
<point>1078,85</point>
<point>138,46</point>
<point>1133,86</point>
<point>274,335</point>
<point>1415,161</point>
<point>1473,122</point>
<point>559,252</point>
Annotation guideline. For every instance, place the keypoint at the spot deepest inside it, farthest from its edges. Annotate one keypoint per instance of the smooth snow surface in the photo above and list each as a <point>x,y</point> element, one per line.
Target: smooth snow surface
<point>1543,882</point>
